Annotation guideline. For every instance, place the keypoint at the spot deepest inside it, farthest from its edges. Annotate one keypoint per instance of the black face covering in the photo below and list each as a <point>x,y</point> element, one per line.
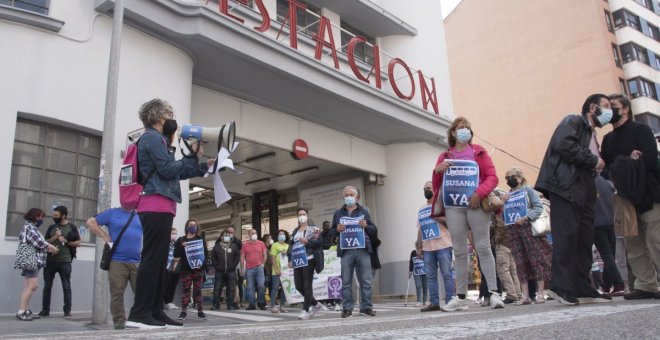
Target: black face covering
<point>169,127</point>
<point>57,220</point>
<point>428,194</point>
<point>512,182</point>
<point>615,115</point>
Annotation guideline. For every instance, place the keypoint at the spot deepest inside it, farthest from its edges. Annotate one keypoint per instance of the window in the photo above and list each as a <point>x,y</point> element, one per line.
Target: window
<point>307,23</point>
<point>641,87</point>
<point>363,52</point>
<point>649,119</point>
<point>615,52</point>
<point>622,85</point>
<point>645,3</point>
<point>608,21</point>
<point>37,6</point>
<point>624,18</point>
<point>53,165</point>
<point>632,51</point>
<point>654,32</point>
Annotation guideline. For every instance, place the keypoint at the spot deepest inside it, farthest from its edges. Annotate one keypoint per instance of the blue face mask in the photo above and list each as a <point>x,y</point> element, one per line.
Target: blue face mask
<point>349,201</point>
<point>463,135</point>
<point>192,230</point>
<point>39,222</point>
<point>605,116</point>
<point>281,238</point>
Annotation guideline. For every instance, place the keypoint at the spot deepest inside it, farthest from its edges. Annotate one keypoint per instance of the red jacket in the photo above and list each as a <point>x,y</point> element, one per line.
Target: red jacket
<point>487,175</point>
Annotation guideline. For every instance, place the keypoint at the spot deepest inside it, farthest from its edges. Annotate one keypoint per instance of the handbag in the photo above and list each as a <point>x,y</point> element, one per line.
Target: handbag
<point>26,257</point>
<point>108,251</point>
<point>541,226</point>
<point>625,217</point>
<point>491,203</point>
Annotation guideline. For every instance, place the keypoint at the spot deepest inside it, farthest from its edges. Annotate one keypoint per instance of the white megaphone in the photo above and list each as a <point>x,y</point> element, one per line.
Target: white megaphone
<point>213,138</point>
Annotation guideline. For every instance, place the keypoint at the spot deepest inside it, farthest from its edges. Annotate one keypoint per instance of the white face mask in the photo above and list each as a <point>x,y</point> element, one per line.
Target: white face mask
<point>302,219</point>
<point>253,237</point>
<point>226,239</point>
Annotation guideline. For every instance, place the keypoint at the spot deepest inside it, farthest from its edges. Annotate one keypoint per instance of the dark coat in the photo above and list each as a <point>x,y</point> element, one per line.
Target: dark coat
<point>568,164</point>
<point>313,247</point>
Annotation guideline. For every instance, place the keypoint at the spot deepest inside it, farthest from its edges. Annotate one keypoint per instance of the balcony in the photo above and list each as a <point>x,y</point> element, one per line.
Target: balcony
<point>645,104</point>
<point>635,68</point>
<point>233,58</point>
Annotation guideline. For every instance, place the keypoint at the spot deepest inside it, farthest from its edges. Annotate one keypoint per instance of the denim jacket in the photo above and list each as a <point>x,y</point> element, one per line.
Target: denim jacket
<point>153,151</point>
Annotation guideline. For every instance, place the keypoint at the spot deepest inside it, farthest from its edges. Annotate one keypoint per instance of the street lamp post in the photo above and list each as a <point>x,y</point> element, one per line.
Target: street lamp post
<point>100,298</point>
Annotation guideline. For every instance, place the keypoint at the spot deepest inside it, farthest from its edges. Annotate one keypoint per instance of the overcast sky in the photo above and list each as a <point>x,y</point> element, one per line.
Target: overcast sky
<point>448,6</point>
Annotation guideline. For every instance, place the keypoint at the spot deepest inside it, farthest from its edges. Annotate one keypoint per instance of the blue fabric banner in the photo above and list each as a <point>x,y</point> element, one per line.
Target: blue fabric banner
<point>460,181</point>
<point>353,236</point>
<point>418,267</point>
<point>298,255</point>
<point>515,207</point>
<point>430,227</point>
<point>195,253</point>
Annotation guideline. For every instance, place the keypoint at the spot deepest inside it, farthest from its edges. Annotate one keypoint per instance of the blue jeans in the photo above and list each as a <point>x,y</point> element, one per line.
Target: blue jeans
<point>432,260</point>
<point>357,260</point>
<point>274,288</point>
<point>422,288</point>
<point>255,279</point>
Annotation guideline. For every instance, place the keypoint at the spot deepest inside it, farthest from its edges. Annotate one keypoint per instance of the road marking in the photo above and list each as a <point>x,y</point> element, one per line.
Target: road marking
<point>241,316</point>
<point>474,328</point>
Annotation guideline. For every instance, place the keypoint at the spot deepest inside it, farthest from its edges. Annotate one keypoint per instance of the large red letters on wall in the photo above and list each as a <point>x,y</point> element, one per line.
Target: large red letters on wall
<point>429,95</point>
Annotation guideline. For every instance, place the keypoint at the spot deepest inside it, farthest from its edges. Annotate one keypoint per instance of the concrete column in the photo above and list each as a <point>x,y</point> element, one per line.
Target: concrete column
<point>409,166</point>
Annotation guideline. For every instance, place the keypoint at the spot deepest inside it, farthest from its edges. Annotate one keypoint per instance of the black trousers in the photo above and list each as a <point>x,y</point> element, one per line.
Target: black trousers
<point>224,279</point>
<point>605,242</point>
<point>171,282</point>
<point>303,277</point>
<point>573,238</point>
<point>64,269</point>
<point>150,289</point>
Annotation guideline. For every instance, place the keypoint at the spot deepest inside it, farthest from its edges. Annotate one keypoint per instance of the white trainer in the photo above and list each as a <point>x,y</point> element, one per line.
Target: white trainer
<point>455,304</point>
<point>303,315</point>
<point>496,301</point>
<point>337,308</point>
<point>315,309</point>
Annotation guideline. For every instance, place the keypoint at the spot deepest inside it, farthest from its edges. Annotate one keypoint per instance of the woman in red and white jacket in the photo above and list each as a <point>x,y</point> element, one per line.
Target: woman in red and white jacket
<point>459,219</point>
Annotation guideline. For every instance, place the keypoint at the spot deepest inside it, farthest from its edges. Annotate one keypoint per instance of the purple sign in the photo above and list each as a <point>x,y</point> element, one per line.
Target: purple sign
<point>334,287</point>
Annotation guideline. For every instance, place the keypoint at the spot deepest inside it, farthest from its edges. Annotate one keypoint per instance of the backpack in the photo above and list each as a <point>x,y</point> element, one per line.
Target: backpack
<point>130,185</point>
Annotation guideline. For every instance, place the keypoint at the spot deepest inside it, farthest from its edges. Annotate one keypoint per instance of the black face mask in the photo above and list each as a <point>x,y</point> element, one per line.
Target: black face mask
<point>169,127</point>
<point>428,194</point>
<point>512,182</point>
<point>57,220</point>
<point>616,116</point>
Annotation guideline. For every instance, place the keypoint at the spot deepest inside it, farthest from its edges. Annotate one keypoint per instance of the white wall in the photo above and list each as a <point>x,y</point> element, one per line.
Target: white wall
<point>409,166</point>
<point>279,130</point>
<point>426,51</point>
<point>47,75</point>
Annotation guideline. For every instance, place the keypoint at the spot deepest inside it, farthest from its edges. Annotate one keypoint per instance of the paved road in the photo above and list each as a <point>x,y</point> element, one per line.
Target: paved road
<point>619,319</point>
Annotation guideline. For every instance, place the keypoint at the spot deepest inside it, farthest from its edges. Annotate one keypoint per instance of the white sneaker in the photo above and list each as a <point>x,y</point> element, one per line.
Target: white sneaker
<point>455,304</point>
<point>428,303</point>
<point>171,306</point>
<point>418,304</point>
<point>323,307</point>
<point>496,301</point>
<point>337,308</point>
<point>303,315</point>
<point>315,309</point>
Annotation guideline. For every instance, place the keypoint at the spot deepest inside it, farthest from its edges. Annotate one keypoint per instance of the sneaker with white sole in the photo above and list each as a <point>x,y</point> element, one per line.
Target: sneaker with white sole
<point>171,306</point>
<point>303,315</point>
<point>455,304</point>
<point>496,301</point>
<point>324,307</point>
<point>337,308</point>
<point>418,304</point>
<point>315,309</point>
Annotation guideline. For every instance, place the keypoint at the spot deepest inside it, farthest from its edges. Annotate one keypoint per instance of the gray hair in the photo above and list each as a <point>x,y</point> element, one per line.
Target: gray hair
<point>154,110</point>
<point>350,187</point>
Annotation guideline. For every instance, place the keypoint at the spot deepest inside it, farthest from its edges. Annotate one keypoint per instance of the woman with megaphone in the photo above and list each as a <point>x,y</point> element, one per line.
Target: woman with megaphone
<point>157,208</point>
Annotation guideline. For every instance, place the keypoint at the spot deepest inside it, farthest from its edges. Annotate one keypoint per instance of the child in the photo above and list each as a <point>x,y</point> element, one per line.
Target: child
<point>506,266</point>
